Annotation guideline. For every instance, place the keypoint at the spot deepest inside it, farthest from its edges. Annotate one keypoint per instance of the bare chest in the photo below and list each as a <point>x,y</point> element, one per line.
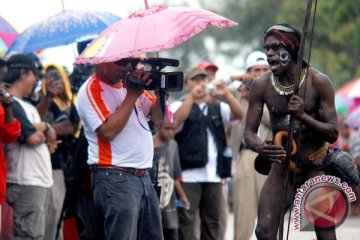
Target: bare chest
<point>278,104</point>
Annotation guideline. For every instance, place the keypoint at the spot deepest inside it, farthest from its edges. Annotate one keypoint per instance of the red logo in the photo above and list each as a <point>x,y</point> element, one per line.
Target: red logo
<point>325,205</point>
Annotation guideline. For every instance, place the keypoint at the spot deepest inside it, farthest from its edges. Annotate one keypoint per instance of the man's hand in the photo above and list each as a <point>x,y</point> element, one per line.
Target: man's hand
<point>272,152</point>
<point>296,106</point>
<point>243,77</point>
<point>136,81</point>
<point>52,146</point>
<point>5,96</point>
<point>221,90</point>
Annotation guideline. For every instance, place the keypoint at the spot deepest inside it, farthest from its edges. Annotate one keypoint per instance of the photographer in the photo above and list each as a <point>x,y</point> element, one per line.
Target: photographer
<point>121,149</point>
<point>201,140</point>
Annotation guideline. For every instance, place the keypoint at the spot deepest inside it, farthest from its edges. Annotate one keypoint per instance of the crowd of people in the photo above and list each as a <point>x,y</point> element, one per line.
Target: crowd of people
<point>89,152</point>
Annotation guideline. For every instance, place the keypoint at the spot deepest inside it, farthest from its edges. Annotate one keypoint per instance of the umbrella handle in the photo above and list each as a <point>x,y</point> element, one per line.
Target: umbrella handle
<point>146,4</point>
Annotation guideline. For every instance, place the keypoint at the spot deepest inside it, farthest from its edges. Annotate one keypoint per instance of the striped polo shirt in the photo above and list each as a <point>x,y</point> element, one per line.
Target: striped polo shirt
<point>133,146</point>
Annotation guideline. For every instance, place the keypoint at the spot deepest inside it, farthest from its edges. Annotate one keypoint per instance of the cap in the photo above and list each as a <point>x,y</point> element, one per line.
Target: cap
<point>205,64</point>
<point>193,72</point>
<point>20,61</point>
<point>256,58</point>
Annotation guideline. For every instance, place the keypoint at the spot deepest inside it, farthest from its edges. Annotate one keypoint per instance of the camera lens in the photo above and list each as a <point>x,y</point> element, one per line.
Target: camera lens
<point>210,88</point>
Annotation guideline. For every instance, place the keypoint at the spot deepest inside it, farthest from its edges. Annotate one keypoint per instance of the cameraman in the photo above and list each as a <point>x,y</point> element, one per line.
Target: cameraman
<point>121,149</point>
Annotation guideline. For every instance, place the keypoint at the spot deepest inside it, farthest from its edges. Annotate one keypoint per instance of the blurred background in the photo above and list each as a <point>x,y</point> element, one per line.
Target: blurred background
<point>335,48</point>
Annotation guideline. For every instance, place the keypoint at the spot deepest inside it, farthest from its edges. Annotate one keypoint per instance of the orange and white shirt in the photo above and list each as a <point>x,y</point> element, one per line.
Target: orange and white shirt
<point>133,146</point>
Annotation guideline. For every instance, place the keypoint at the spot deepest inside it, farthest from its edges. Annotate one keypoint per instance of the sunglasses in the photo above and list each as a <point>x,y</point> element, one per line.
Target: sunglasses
<point>274,46</point>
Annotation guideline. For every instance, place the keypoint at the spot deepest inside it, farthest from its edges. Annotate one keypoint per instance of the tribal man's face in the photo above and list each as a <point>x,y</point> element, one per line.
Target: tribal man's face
<point>273,48</point>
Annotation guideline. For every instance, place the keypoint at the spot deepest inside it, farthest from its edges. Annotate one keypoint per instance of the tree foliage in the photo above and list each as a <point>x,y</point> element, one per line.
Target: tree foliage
<point>335,46</point>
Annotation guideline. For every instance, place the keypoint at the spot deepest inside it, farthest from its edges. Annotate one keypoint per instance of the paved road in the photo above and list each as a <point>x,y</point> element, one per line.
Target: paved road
<point>349,230</point>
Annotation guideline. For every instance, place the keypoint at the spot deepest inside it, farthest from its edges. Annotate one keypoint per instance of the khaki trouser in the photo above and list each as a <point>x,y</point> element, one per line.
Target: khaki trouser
<point>247,186</point>
<point>205,199</point>
<point>28,203</point>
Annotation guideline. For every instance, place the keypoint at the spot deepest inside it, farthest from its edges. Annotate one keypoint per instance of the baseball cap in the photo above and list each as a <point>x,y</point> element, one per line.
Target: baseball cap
<point>20,61</point>
<point>205,64</point>
<point>193,72</point>
<point>256,58</point>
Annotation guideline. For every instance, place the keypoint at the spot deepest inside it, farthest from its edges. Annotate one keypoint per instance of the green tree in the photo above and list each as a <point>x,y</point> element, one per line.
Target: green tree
<point>335,44</point>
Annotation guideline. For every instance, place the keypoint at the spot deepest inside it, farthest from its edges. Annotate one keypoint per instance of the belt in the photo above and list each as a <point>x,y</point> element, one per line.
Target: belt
<point>135,171</point>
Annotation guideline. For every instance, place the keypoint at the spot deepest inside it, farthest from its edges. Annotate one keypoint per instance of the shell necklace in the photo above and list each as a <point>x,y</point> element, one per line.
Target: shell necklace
<point>286,90</point>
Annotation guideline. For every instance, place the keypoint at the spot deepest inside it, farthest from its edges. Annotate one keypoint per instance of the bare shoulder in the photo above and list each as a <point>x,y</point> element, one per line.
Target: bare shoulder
<point>260,83</point>
<point>319,78</point>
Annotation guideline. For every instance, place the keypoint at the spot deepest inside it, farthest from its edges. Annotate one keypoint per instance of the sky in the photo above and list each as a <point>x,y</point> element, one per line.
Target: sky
<point>23,13</point>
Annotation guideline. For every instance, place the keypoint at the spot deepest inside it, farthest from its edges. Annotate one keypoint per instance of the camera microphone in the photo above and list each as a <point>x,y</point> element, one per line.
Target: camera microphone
<point>162,61</point>
<point>284,58</point>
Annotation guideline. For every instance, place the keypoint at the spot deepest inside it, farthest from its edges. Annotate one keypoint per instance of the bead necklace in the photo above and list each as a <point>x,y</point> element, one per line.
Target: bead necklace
<point>286,90</point>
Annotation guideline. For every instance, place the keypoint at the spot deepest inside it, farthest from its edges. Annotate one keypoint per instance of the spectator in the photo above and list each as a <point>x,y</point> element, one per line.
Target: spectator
<point>56,107</point>
<point>166,167</point>
<point>2,68</point>
<point>343,139</point>
<point>9,132</point>
<point>201,139</point>
<point>29,166</point>
<point>354,150</point>
<point>247,183</point>
<point>210,68</point>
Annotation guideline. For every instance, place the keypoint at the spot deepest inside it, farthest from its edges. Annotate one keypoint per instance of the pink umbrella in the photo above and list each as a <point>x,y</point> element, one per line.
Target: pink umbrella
<point>345,105</point>
<point>353,119</point>
<point>350,89</point>
<point>151,30</point>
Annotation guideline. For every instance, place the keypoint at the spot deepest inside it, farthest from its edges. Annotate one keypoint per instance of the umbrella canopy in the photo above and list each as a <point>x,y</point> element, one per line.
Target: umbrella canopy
<point>61,29</point>
<point>154,29</point>
<point>8,34</point>
<point>350,89</point>
<point>353,119</point>
<point>345,105</point>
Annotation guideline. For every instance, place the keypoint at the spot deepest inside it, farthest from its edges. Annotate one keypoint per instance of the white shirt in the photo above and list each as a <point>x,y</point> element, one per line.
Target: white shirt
<point>29,165</point>
<point>208,172</point>
<point>133,146</point>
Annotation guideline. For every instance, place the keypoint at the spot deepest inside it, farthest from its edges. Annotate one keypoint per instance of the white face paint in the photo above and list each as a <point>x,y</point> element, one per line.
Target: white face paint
<point>284,58</point>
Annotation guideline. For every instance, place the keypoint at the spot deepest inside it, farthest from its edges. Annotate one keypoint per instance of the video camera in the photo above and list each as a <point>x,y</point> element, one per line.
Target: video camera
<point>167,81</point>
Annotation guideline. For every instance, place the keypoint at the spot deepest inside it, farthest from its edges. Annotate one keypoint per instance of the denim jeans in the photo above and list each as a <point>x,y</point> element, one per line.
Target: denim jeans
<point>128,204</point>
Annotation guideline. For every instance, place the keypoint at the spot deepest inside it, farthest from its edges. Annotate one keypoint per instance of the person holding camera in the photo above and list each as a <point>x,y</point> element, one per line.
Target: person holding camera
<point>201,139</point>
<point>115,120</point>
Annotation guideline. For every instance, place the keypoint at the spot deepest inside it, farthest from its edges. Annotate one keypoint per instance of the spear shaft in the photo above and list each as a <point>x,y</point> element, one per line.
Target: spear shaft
<point>299,64</point>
